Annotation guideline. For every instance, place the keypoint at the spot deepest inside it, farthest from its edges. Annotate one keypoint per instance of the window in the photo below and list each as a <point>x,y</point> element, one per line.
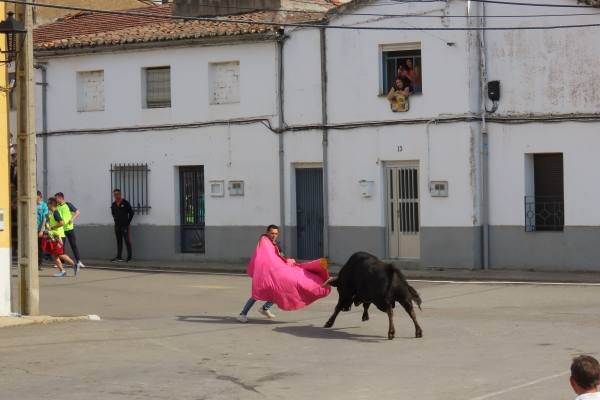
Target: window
<point>90,91</point>
<point>157,84</point>
<point>224,81</point>
<point>544,200</point>
<point>401,61</point>
<point>132,179</point>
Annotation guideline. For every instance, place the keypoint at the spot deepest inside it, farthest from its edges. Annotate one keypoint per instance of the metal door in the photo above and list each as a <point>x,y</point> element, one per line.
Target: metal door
<point>403,211</point>
<point>309,212</point>
<point>191,193</point>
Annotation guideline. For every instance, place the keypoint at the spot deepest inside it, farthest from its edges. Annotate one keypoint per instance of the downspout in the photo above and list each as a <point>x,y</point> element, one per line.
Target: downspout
<point>44,84</point>
<point>485,206</point>
<point>280,128</point>
<point>324,122</point>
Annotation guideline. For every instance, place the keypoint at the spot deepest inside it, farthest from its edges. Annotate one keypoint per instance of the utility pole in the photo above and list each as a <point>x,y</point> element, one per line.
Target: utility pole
<point>5,237</point>
<point>26,167</point>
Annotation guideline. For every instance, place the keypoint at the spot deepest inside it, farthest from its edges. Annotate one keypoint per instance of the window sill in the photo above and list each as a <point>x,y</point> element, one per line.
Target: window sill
<point>414,94</point>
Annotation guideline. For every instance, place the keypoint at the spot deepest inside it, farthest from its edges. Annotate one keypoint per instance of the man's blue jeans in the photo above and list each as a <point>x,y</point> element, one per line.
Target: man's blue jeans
<point>251,302</point>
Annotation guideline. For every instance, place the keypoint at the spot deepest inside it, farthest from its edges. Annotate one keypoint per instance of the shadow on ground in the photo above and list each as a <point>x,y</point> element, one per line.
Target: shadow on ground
<point>317,332</point>
<point>219,319</point>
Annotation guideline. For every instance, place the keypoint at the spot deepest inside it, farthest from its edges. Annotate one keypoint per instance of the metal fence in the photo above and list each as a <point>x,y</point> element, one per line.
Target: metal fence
<point>544,213</point>
<point>132,180</point>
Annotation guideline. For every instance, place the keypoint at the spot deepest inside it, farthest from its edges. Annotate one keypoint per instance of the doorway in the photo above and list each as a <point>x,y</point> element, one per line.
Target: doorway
<point>309,212</point>
<point>402,204</point>
<point>192,213</point>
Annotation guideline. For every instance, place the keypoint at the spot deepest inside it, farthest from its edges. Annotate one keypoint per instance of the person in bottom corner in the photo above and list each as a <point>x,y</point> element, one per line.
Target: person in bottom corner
<point>54,238</point>
<point>585,377</point>
<point>122,214</point>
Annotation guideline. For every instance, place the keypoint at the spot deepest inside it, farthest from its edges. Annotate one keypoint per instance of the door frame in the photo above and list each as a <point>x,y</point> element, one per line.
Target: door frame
<point>399,164</point>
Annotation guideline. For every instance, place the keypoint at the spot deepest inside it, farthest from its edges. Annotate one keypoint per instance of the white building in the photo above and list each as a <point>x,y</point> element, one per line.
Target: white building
<point>206,136</point>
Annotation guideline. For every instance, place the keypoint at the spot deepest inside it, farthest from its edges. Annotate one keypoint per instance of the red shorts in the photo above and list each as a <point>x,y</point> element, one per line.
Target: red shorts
<point>53,246</point>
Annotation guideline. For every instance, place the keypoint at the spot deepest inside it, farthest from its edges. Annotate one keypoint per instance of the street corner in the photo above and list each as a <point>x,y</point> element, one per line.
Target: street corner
<point>16,320</point>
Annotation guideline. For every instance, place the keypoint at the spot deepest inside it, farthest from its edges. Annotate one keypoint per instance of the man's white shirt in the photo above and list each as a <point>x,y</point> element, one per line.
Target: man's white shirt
<point>589,396</point>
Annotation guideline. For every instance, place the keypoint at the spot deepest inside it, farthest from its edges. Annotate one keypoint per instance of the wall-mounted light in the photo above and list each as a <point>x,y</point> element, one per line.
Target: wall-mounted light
<point>11,28</point>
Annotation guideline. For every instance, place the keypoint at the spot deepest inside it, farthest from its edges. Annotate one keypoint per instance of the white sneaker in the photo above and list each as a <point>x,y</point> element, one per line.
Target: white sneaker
<point>242,318</point>
<point>266,313</point>
<point>80,264</point>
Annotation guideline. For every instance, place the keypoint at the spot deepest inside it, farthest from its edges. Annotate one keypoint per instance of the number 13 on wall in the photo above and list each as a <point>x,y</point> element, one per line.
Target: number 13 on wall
<point>399,148</point>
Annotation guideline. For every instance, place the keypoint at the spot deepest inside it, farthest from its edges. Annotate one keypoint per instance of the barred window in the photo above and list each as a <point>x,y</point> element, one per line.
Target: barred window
<point>158,87</point>
<point>132,179</point>
<point>544,202</point>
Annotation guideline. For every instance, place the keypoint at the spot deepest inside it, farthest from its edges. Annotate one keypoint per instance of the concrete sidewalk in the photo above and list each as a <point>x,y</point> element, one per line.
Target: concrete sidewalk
<point>436,274</point>
<point>6,322</point>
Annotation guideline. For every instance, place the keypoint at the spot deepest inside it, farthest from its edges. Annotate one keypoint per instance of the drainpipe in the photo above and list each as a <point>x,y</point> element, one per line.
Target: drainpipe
<point>44,84</point>
<point>324,122</point>
<point>485,202</point>
<point>281,126</point>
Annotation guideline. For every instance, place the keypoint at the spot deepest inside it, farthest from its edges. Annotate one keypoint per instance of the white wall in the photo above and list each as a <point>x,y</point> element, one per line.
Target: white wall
<point>545,71</point>
<point>246,153</point>
<point>354,68</point>
<point>189,86</point>
<point>578,143</point>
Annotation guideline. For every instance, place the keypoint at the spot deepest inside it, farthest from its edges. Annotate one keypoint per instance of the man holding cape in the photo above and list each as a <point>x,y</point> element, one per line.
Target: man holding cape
<point>282,281</point>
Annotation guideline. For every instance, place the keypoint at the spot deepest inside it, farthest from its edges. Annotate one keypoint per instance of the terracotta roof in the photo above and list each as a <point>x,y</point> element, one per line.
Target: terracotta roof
<point>90,29</point>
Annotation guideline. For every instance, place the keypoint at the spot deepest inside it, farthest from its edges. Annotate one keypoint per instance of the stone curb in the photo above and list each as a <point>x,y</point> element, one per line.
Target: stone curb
<point>6,322</point>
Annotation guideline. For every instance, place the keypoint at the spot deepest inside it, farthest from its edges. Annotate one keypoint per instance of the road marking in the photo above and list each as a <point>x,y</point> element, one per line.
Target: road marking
<point>521,386</point>
<point>506,282</point>
<point>212,287</point>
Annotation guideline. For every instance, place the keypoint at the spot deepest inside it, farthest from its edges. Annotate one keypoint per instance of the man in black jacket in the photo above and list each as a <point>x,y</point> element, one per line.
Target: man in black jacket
<point>122,214</point>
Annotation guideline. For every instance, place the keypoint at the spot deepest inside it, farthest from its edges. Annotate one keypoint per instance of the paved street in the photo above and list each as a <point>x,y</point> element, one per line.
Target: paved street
<point>174,336</point>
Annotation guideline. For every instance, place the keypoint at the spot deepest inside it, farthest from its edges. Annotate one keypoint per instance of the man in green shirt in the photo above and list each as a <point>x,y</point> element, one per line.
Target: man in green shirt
<point>69,213</point>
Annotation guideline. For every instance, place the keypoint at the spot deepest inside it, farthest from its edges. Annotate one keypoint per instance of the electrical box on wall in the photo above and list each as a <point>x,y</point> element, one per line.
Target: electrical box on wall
<point>236,188</point>
<point>366,187</point>
<point>438,188</point>
<point>217,188</point>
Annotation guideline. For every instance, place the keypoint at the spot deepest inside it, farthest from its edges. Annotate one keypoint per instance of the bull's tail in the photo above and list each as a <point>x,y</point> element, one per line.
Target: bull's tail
<point>416,298</point>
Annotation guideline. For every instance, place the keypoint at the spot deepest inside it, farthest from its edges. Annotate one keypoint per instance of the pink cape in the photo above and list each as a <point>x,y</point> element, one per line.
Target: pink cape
<point>290,286</point>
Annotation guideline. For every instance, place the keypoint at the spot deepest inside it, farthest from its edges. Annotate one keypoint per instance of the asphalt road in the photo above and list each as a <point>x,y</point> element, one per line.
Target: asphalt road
<point>174,336</point>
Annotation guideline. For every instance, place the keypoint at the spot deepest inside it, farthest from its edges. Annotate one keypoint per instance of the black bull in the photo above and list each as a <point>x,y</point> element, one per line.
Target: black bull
<point>364,279</point>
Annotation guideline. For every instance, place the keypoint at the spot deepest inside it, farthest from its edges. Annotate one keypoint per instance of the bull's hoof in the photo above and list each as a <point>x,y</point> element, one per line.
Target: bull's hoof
<point>391,335</point>
<point>365,318</point>
<point>328,324</point>
<point>419,334</point>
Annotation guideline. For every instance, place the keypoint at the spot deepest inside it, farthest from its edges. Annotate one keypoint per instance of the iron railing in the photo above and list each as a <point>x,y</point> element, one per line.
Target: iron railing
<point>544,213</point>
<point>192,206</point>
<point>132,180</point>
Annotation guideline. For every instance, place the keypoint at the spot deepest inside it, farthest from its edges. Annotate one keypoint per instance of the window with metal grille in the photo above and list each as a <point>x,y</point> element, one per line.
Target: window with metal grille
<point>132,179</point>
<point>401,61</point>
<point>544,209</point>
<point>158,87</point>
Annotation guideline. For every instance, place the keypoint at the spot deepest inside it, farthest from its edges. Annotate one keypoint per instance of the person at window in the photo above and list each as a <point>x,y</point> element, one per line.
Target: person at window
<point>398,96</point>
<point>281,280</point>
<point>405,77</point>
<point>122,214</point>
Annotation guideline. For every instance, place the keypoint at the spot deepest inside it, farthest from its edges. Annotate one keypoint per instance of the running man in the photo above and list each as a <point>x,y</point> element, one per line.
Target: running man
<point>55,236</point>
<point>69,213</point>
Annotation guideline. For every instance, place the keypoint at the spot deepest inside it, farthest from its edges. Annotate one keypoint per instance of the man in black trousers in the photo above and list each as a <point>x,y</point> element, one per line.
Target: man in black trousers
<point>122,214</point>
